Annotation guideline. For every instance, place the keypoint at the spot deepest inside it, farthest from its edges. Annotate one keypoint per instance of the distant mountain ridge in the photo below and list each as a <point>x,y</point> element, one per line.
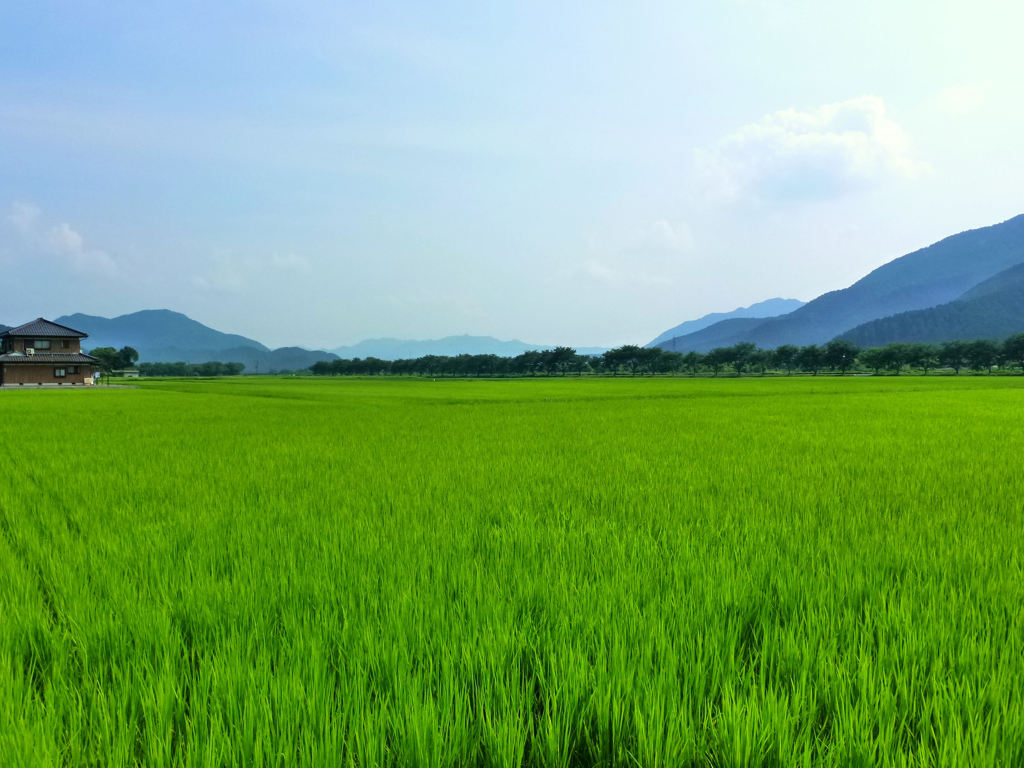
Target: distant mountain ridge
<point>993,309</point>
<point>160,328</point>
<point>762,309</point>
<point>449,346</point>
<point>163,336</point>
<point>925,278</point>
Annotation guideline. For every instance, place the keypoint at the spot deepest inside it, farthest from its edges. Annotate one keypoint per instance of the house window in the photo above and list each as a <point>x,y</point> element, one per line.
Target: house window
<point>59,373</point>
<point>72,369</point>
<point>65,344</point>
<point>41,343</point>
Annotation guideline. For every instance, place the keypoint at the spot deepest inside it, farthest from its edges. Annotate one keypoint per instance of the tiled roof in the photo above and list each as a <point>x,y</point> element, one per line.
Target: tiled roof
<point>41,327</point>
<point>69,358</point>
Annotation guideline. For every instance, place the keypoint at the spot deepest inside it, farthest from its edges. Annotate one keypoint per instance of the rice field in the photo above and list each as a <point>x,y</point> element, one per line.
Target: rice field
<point>556,572</point>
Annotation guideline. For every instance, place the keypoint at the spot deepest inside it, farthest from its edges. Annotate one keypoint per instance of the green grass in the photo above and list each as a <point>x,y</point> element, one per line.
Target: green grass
<point>782,572</point>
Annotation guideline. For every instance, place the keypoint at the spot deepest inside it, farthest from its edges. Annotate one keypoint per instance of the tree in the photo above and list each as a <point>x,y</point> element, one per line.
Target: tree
<point>982,354</point>
<point>894,356</point>
<point>628,356</point>
<point>841,355</point>
<point>1013,349</point>
<point>692,361</point>
<point>559,359</point>
<point>662,361</point>
<point>952,354</point>
<point>784,357</point>
<point>760,359</point>
<point>581,363</point>
<point>126,357</point>
<point>873,358</point>
<point>107,357</point>
<point>924,356</point>
<point>810,358</point>
<point>739,356</point>
<point>716,358</point>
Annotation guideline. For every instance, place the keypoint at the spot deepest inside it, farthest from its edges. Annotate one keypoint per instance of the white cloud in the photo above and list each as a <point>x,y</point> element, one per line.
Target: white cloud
<point>960,100</point>
<point>59,240</point>
<point>24,217</point>
<point>656,254</point>
<point>225,274</point>
<point>64,239</point>
<point>812,154</point>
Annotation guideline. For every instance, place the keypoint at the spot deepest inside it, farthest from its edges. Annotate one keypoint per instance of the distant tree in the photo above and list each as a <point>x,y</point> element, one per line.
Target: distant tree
<point>873,358</point>
<point>739,356</point>
<point>923,356</point>
<point>559,359</point>
<point>107,357</point>
<point>581,364</point>
<point>664,361</point>
<point>126,357</point>
<point>692,361</point>
<point>784,357</point>
<point>628,356</point>
<point>528,362</point>
<point>894,356</point>
<point>759,360</point>
<point>953,355</point>
<point>1013,349</point>
<point>717,358</point>
<point>982,354</point>
<point>840,355</point>
<point>810,358</point>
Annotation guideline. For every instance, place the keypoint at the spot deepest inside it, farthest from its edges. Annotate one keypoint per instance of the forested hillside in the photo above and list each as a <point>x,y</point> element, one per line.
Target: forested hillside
<point>992,309</point>
<point>931,276</point>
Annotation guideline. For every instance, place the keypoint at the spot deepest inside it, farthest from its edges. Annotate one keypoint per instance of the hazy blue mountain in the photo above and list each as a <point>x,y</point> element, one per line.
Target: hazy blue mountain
<point>721,334</point>
<point>993,309</point>
<point>935,275</point>
<point>5,328</point>
<point>162,336</point>
<point>762,309</point>
<point>154,329</point>
<point>406,349</point>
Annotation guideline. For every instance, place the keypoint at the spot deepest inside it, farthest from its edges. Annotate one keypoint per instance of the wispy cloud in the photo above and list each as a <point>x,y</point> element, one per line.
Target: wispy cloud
<point>962,99</point>
<point>657,253</point>
<point>809,154</point>
<point>59,240</point>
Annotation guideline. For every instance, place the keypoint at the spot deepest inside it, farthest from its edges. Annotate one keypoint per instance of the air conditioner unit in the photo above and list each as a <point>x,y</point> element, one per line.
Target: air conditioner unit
<point>30,351</point>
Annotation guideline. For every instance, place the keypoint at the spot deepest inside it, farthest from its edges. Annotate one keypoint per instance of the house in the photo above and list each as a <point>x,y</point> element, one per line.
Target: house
<point>44,353</point>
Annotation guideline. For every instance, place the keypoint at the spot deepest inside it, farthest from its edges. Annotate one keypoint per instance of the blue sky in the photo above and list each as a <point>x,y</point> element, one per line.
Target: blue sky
<point>586,173</point>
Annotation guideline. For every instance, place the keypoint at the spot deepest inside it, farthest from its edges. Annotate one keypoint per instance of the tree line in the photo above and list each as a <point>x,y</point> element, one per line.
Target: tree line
<point>837,356</point>
<point>212,368</point>
<point>113,362</point>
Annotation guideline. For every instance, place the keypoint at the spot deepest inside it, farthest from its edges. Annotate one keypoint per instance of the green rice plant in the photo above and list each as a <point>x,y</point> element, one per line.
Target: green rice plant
<point>577,572</point>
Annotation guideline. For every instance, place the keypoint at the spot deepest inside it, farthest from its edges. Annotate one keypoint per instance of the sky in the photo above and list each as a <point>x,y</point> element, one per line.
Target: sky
<point>584,173</point>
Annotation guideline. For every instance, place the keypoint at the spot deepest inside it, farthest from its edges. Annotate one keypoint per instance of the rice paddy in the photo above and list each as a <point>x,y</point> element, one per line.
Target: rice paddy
<point>556,572</point>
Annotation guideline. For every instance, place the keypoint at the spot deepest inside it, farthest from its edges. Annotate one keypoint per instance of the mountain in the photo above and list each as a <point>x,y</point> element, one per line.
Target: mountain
<point>721,334</point>
<point>762,309</point>
<point>993,309</point>
<point>162,336</point>
<point>5,328</point>
<point>449,346</point>
<point>935,275</point>
<point>154,329</point>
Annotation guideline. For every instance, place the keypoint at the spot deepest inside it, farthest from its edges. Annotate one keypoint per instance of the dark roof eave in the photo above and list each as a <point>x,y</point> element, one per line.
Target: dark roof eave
<point>67,358</point>
<point>25,330</point>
